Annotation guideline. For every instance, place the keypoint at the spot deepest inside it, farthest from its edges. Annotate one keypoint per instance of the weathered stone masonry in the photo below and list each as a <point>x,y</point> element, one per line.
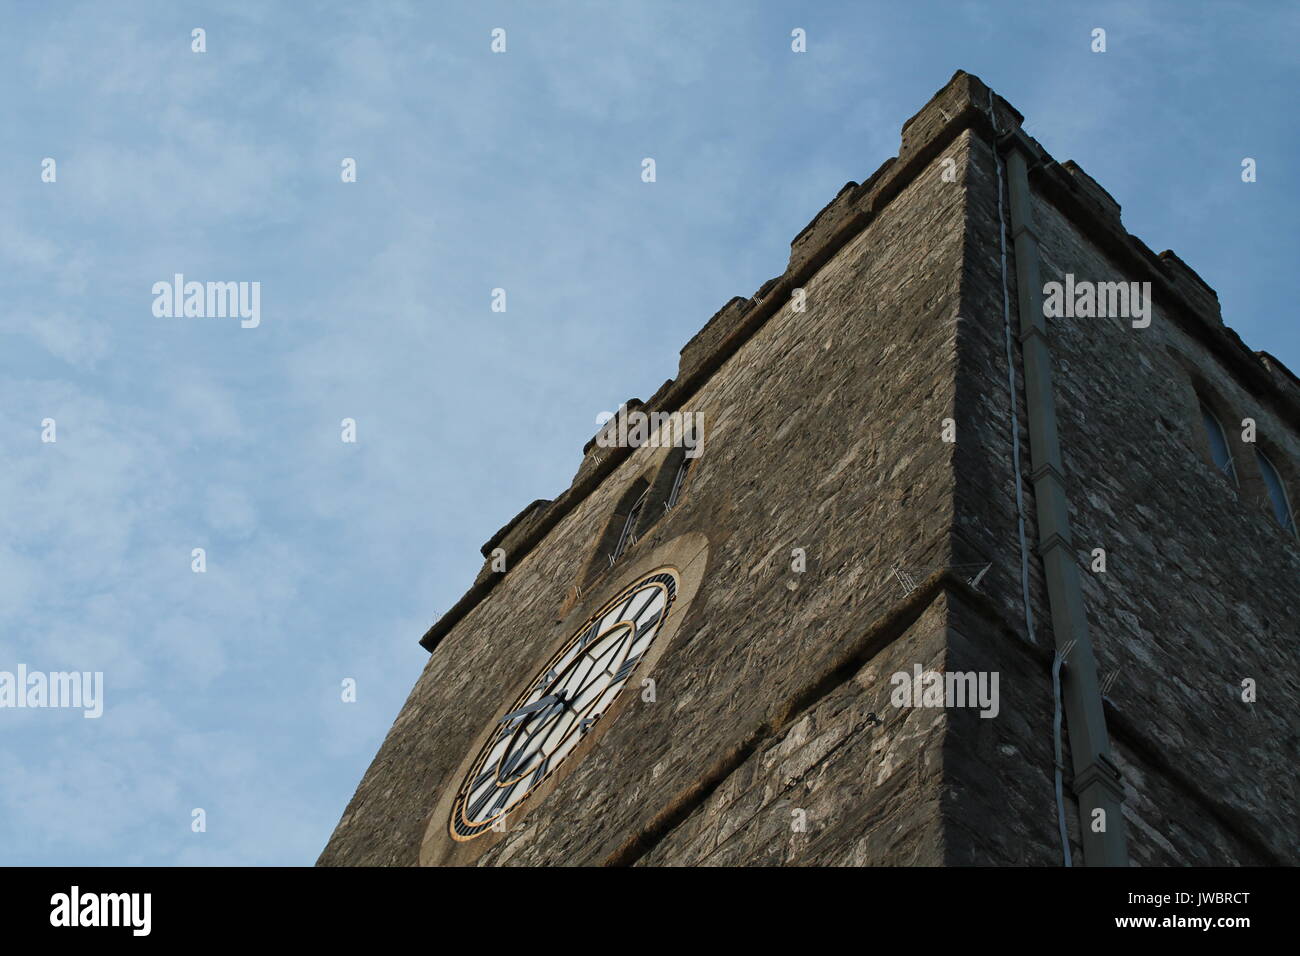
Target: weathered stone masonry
<point>823,433</point>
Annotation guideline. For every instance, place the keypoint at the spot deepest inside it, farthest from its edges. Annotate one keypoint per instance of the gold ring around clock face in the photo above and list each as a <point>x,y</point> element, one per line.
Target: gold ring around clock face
<point>558,708</point>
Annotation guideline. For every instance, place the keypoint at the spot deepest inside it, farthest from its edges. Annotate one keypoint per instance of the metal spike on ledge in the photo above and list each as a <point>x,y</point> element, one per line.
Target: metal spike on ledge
<point>905,580</point>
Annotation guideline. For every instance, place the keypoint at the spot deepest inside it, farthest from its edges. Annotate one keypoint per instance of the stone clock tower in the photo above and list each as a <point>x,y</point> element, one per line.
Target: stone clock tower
<point>950,545</point>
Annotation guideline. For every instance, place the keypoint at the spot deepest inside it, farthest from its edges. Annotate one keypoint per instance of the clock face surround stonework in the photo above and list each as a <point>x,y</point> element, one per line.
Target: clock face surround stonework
<point>597,665</point>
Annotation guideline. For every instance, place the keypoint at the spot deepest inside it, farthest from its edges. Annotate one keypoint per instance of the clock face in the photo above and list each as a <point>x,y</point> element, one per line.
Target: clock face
<point>560,706</point>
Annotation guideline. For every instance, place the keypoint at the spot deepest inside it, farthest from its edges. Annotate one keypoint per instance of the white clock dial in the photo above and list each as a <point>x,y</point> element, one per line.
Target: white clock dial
<point>562,704</point>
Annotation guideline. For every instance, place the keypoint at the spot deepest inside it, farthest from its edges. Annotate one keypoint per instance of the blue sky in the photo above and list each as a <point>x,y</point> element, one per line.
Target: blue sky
<point>328,560</point>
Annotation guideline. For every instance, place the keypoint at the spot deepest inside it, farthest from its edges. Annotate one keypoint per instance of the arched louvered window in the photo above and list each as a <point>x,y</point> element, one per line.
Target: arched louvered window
<point>639,509</point>
<point>1276,493</point>
<point>1219,449</point>
<point>679,476</point>
<point>627,536</point>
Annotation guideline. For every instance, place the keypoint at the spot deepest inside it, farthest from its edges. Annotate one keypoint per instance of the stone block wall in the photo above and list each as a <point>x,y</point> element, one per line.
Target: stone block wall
<point>1201,587</point>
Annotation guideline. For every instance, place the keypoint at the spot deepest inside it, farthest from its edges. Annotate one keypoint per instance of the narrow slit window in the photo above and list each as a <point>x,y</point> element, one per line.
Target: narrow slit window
<point>1277,493</point>
<point>1219,449</point>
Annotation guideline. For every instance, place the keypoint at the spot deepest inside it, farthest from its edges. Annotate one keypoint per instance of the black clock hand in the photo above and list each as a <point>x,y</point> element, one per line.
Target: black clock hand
<point>544,727</point>
<point>548,701</point>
